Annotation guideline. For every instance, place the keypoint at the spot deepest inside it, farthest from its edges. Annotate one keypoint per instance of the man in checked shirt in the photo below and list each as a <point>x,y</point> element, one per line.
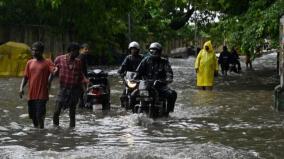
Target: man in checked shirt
<point>71,79</point>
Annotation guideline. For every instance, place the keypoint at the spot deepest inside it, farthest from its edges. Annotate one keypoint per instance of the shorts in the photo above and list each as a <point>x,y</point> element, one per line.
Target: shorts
<point>37,108</point>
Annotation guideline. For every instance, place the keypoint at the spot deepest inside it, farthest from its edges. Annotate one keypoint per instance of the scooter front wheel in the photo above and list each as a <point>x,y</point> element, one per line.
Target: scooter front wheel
<point>139,110</point>
<point>89,105</point>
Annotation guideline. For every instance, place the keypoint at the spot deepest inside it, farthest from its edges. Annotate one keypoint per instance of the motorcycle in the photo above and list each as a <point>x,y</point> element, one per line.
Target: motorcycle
<point>149,100</point>
<point>235,67</point>
<point>130,86</point>
<point>98,89</point>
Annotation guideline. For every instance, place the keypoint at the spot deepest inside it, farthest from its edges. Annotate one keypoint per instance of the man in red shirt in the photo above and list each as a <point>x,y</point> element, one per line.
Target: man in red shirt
<point>71,79</point>
<point>37,73</point>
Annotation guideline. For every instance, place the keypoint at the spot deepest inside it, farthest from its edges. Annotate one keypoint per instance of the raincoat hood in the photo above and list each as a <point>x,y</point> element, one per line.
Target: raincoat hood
<point>209,44</point>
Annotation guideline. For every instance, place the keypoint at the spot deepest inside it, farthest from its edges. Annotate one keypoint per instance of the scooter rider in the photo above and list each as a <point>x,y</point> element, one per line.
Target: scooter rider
<point>130,63</point>
<point>155,67</point>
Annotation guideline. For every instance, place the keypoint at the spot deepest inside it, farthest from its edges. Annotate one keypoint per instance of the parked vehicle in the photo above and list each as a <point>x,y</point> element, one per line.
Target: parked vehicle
<point>235,67</point>
<point>98,89</point>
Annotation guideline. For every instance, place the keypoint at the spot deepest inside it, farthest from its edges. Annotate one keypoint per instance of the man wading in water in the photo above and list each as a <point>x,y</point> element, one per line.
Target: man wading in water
<point>37,74</point>
<point>71,79</point>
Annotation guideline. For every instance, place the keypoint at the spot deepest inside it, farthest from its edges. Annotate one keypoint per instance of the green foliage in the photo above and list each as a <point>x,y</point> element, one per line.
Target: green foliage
<point>243,23</point>
<point>249,30</point>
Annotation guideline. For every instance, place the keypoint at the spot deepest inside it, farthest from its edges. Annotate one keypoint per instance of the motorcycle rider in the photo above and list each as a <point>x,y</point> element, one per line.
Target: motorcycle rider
<point>224,60</point>
<point>236,60</point>
<point>156,68</point>
<point>130,63</point>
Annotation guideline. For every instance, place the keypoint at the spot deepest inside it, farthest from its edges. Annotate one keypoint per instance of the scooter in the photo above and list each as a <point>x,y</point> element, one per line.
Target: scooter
<point>130,86</point>
<point>98,89</point>
<point>149,100</point>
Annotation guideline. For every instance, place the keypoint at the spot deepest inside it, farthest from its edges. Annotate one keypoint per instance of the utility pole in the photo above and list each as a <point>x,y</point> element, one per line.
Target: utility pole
<point>129,27</point>
<point>279,90</point>
<point>195,34</point>
<point>195,28</point>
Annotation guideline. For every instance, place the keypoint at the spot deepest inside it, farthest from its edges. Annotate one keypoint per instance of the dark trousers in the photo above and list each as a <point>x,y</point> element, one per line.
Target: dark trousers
<point>81,100</point>
<point>67,98</point>
<point>224,68</point>
<point>171,97</point>
<point>57,111</point>
<point>37,111</point>
<point>123,97</point>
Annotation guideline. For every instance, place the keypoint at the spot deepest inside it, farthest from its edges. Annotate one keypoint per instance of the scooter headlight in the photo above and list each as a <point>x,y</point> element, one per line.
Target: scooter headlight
<point>131,84</point>
<point>144,93</point>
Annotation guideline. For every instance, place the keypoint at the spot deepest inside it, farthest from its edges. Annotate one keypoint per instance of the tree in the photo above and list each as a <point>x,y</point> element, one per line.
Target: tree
<point>243,23</point>
<point>250,29</point>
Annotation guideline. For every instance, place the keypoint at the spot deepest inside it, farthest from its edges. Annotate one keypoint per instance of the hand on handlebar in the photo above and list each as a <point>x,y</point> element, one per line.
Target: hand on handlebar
<point>133,80</point>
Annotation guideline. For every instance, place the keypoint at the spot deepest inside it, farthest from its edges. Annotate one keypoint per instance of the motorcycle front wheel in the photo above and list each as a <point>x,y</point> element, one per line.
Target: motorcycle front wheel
<point>165,111</point>
<point>137,110</point>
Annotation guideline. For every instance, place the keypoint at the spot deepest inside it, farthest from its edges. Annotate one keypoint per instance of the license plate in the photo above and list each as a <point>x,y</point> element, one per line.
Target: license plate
<point>144,93</point>
<point>143,99</point>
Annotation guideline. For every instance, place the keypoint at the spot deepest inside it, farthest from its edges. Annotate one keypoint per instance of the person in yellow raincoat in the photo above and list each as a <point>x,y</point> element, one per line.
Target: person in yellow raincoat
<point>206,66</point>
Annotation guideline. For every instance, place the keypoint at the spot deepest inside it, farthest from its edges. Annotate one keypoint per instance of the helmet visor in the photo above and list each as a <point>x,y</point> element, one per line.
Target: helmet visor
<point>155,52</point>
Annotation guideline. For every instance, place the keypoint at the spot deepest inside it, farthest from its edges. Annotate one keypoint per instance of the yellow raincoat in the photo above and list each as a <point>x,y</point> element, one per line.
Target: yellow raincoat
<point>207,64</point>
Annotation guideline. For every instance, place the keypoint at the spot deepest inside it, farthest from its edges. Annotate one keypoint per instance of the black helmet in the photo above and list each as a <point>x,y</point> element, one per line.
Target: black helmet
<point>155,49</point>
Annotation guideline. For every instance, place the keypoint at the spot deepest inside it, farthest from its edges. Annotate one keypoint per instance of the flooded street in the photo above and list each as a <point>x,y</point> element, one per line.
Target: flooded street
<point>235,120</point>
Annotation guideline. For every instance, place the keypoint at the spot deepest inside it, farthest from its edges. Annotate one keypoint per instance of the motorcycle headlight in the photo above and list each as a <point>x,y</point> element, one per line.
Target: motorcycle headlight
<point>144,93</point>
<point>131,84</point>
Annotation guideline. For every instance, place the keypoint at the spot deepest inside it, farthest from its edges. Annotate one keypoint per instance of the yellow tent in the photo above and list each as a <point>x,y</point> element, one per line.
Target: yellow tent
<point>13,58</point>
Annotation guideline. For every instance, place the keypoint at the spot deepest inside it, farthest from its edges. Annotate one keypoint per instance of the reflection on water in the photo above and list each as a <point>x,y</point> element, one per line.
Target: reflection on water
<point>235,120</point>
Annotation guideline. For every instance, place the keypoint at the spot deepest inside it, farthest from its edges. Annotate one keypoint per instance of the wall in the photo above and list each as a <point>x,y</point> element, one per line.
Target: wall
<point>55,43</point>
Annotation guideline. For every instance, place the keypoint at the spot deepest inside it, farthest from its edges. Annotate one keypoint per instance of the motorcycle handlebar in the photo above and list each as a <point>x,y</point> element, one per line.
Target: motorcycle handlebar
<point>156,81</point>
<point>148,80</point>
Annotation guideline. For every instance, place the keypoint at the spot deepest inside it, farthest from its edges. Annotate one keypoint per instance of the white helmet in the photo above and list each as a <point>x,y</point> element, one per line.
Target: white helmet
<point>156,46</point>
<point>134,44</point>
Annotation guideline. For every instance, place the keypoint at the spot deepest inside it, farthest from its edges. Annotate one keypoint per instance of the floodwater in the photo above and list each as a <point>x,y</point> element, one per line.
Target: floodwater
<point>235,120</point>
